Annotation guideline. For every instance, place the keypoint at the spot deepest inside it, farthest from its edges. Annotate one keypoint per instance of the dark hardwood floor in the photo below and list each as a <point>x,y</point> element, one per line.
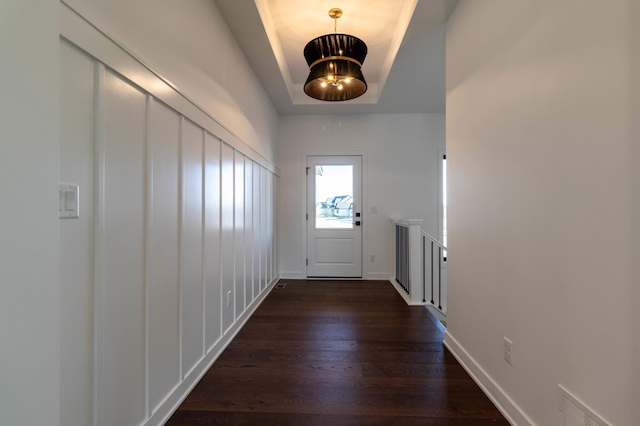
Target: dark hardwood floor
<point>337,353</point>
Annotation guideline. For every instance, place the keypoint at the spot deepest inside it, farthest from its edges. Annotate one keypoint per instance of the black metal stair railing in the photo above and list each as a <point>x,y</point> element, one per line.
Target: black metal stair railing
<point>434,256</point>
<point>402,257</point>
<point>420,265</point>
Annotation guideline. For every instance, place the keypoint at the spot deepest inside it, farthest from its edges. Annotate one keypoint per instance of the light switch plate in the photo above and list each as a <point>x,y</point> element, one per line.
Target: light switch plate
<point>69,201</point>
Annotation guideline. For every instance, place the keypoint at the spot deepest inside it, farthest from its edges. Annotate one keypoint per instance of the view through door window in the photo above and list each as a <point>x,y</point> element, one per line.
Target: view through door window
<point>334,197</point>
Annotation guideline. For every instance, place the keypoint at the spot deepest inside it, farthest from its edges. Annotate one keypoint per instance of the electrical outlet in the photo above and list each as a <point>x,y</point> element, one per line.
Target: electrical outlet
<point>372,258</point>
<point>229,298</point>
<point>508,345</point>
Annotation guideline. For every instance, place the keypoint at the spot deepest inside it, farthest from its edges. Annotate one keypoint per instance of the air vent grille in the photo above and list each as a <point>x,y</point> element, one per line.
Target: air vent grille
<point>576,413</point>
<point>573,416</point>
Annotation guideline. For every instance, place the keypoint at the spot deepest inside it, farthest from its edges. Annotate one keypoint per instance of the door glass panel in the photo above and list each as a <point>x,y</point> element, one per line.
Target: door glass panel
<point>334,197</point>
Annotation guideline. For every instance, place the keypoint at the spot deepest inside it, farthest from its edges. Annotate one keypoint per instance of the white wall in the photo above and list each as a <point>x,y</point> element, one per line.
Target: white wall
<point>542,143</point>
<point>167,228</point>
<point>189,44</point>
<point>634,131</point>
<point>400,178</point>
<point>29,283</point>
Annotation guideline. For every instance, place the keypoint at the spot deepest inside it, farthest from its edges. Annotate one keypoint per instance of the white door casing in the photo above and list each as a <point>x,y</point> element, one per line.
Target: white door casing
<point>334,232</point>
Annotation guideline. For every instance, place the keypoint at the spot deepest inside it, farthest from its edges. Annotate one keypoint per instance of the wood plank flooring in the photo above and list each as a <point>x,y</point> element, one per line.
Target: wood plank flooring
<point>337,353</point>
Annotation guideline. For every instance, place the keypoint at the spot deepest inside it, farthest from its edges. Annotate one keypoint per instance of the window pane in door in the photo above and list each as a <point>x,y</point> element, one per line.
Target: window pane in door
<point>334,197</point>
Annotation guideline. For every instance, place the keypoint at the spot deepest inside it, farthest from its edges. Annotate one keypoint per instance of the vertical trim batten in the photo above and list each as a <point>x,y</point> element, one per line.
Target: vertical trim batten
<point>203,238</point>
<point>99,182</point>
<point>180,240</point>
<point>233,233</point>
<point>148,246</point>
<point>220,286</point>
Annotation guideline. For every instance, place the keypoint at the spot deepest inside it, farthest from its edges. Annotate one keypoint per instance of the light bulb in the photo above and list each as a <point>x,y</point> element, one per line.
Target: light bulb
<point>347,80</point>
<point>339,86</point>
<point>330,77</point>
<point>323,84</point>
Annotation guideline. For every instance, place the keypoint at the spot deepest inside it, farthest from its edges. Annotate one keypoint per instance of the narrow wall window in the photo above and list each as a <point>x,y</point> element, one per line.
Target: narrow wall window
<point>443,201</point>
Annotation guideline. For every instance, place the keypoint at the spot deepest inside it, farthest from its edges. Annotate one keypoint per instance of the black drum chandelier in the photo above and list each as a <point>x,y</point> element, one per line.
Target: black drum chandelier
<point>335,62</point>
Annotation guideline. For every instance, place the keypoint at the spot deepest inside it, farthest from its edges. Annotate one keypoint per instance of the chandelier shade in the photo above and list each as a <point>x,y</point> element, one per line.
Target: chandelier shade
<point>335,62</point>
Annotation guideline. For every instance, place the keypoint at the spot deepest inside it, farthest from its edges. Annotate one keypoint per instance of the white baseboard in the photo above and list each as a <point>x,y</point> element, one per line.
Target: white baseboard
<point>403,293</point>
<point>509,409</point>
<point>378,276</point>
<point>297,275</point>
<point>292,275</point>
<point>441,316</point>
<point>172,402</point>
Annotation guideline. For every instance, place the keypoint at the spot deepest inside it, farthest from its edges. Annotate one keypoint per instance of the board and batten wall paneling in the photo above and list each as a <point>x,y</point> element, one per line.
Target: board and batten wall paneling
<point>269,240</point>
<point>263,227</point>
<point>192,139</point>
<point>172,219</point>
<point>213,291</point>
<point>248,230</point>
<point>163,317</point>
<point>121,233</point>
<point>257,259</point>
<point>76,238</point>
<point>227,252</point>
<point>274,225</point>
<point>240,297</point>
<point>270,234</point>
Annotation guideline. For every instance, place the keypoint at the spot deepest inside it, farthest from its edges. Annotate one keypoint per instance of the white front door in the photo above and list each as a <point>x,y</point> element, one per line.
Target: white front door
<point>334,202</point>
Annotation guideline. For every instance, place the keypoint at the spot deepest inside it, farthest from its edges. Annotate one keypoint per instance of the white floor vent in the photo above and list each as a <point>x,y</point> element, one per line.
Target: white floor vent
<point>576,413</point>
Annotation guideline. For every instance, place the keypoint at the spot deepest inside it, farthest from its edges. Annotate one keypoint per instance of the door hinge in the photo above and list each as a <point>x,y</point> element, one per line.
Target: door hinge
<point>307,216</point>
<point>308,170</point>
<point>307,262</point>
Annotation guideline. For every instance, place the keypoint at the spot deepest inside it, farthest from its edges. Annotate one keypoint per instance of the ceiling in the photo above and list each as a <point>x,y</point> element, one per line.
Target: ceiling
<point>404,69</point>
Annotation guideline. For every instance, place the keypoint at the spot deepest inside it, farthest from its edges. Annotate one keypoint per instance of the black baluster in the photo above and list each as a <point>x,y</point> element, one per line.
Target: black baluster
<point>431,259</point>
<point>406,261</point>
<point>397,256</point>
<point>439,278</point>
<point>424,278</point>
